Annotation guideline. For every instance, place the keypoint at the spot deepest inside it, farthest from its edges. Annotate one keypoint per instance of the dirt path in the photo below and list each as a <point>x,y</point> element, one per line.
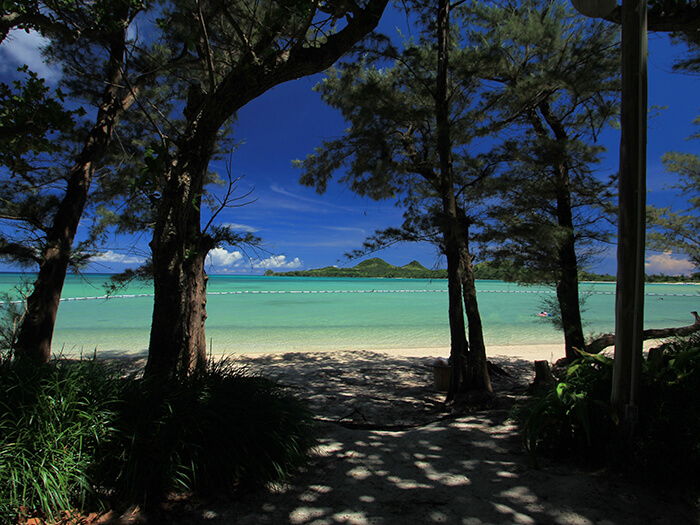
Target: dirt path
<point>388,454</point>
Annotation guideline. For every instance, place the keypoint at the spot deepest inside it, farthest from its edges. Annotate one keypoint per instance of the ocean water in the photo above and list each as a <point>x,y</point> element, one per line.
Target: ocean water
<point>263,314</point>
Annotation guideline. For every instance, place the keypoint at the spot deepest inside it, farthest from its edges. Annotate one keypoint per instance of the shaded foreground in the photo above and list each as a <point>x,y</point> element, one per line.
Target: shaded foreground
<point>389,455</point>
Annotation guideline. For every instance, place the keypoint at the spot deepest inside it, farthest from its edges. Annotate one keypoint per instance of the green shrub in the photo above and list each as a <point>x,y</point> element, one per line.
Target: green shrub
<point>573,417</point>
<point>219,432</point>
<point>52,421</point>
<point>73,435</point>
<point>668,445</point>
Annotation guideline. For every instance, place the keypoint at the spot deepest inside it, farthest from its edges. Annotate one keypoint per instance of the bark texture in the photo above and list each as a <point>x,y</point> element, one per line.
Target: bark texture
<point>36,332</point>
<point>177,346</point>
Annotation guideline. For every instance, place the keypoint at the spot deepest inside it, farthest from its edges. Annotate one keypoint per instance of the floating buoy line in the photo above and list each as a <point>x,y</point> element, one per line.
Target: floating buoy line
<point>262,292</point>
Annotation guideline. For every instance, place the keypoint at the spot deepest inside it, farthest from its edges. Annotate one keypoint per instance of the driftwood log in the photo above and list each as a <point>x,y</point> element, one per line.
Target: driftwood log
<point>601,343</point>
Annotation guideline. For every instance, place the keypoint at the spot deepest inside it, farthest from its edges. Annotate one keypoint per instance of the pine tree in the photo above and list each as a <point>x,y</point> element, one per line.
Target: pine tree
<point>91,40</point>
<point>554,78</point>
<point>234,52</point>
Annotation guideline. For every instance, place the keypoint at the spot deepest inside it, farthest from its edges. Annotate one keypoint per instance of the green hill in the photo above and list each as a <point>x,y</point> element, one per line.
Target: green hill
<point>375,267</point>
<point>415,266</point>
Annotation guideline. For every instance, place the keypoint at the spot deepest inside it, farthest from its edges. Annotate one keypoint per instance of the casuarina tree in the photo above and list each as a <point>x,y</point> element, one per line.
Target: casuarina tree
<point>234,52</point>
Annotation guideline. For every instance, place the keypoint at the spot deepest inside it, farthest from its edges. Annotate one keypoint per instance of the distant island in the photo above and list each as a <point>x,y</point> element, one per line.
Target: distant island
<point>487,270</point>
<point>370,268</point>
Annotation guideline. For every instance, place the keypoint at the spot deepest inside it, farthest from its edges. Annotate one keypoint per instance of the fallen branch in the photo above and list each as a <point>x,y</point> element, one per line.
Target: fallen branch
<point>601,343</point>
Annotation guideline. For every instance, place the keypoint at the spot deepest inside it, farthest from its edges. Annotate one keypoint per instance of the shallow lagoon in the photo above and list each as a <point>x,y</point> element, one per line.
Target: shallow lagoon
<point>262,314</point>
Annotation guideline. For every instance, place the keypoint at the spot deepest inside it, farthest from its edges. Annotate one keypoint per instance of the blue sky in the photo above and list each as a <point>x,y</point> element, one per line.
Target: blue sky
<point>301,229</point>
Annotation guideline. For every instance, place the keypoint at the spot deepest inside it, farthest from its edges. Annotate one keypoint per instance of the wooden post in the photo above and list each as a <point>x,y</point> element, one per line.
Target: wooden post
<point>629,305</point>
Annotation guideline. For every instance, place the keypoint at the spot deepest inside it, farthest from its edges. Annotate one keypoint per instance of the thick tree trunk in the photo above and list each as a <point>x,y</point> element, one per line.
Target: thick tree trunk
<point>177,346</point>
<point>36,332</point>
<point>629,298</point>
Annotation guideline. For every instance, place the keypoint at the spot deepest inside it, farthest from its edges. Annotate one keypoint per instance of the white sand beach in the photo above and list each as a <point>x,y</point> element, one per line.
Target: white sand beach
<point>389,453</point>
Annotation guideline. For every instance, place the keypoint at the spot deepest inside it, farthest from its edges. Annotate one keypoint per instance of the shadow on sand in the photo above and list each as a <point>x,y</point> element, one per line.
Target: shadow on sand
<point>389,454</point>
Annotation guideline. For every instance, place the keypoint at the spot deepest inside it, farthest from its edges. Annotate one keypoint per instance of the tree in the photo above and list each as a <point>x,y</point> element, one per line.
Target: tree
<point>408,123</point>
<point>555,75</point>
<point>678,229</point>
<point>235,52</point>
<point>90,38</point>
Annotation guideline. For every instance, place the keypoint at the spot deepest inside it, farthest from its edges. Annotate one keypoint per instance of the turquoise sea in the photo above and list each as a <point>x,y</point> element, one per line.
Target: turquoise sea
<point>263,314</point>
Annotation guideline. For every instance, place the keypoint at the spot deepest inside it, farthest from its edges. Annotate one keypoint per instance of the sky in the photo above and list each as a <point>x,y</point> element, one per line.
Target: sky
<point>301,229</point>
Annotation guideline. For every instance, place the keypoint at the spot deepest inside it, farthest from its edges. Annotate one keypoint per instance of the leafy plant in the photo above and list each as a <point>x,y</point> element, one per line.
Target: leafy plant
<point>668,449</point>
<point>53,419</point>
<point>572,418</point>
<point>73,434</point>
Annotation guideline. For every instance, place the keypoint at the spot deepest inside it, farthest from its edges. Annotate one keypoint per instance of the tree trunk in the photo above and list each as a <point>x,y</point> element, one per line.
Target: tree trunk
<point>604,341</point>
<point>451,221</point>
<point>478,371</point>
<point>629,297</point>
<point>177,346</point>
<point>567,265</point>
<point>567,279</point>
<point>458,342</point>
<point>36,332</point>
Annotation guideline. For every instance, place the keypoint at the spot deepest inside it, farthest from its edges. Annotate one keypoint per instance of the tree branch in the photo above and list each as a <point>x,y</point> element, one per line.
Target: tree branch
<point>601,343</point>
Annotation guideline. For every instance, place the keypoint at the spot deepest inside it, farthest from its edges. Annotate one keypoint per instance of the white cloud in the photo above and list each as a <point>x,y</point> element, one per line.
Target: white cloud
<point>25,48</point>
<point>278,261</point>
<point>112,257</point>
<point>667,264</point>
<point>241,227</point>
<point>222,257</point>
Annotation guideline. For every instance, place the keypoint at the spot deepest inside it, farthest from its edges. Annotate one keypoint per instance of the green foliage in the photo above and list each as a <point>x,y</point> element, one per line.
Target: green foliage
<point>74,434</point>
<point>53,421</point>
<point>668,449</point>
<point>29,116</point>
<point>12,310</point>
<point>677,228</point>
<point>218,432</point>
<point>573,418</point>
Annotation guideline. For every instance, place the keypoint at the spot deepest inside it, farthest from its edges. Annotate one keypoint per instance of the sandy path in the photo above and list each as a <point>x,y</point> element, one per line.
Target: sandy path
<point>389,454</point>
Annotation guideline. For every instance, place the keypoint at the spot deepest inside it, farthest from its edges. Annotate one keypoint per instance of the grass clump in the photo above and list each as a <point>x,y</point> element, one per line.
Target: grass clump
<point>53,421</point>
<point>80,435</point>
<point>573,418</point>
<point>221,431</point>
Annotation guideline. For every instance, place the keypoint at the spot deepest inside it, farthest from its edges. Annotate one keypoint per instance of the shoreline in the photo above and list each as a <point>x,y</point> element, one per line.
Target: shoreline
<point>517,351</point>
<point>550,352</point>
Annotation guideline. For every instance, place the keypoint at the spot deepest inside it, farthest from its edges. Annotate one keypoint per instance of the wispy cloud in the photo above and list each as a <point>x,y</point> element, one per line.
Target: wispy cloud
<point>298,202</point>
<point>345,229</point>
<point>110,257</point>
<point>667,264</point>
<point>241,227</point>
<point>25,48</point>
